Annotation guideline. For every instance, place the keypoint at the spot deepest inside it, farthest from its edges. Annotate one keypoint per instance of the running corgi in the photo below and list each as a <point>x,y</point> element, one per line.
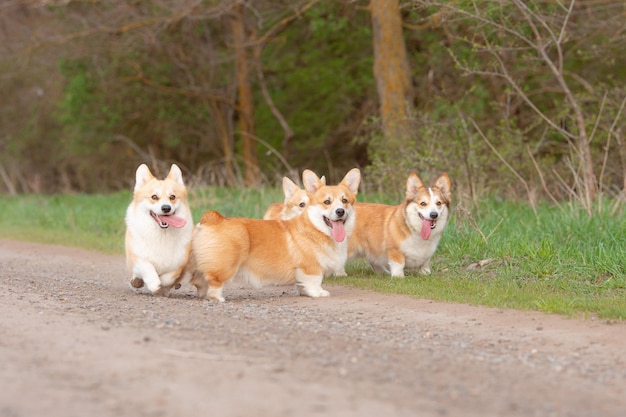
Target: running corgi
<point>301,250</point>
<point>158,230</point>
<point>393,238</point>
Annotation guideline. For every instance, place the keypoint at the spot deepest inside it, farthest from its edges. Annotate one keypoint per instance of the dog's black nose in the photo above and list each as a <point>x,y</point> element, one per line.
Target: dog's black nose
<point>433,215</point>
<point>340,212</point>
<point>166,208</point>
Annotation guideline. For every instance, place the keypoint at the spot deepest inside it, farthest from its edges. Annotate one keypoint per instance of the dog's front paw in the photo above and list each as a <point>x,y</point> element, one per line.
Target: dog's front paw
<point>425,271</point>
<point>312,292</point>
<point>397,270</point>
<point>341,273</point>
<point>136,282</point>
<point>155,288</point>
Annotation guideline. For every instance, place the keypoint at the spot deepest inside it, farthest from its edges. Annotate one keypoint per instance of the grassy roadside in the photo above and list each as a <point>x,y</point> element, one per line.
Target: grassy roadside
<point>560,260</point>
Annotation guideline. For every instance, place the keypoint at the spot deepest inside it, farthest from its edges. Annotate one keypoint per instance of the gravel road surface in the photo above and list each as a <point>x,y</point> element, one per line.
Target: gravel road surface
<point>76,340</point>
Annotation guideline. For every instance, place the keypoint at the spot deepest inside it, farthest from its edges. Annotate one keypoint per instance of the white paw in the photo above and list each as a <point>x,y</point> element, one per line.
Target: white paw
<point>215,294</point>
<point>396,269</point>
<point>313,292</point>
<point>154,288</point>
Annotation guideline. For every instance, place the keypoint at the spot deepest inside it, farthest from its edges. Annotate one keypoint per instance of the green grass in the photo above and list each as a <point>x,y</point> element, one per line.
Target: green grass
<point>560,260</point>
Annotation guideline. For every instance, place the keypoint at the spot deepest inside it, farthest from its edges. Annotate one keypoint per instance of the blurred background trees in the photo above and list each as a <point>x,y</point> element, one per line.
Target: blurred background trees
<point>519,99</point>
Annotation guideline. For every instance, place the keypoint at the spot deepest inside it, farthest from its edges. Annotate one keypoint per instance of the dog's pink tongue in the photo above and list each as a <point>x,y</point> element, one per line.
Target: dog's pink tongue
<point>339,233</point>
<point>426,224</point>
<point>173,221</point>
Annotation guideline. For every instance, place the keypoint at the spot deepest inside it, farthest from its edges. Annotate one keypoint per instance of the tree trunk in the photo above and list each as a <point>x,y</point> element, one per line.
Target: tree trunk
<point>244,96</point>
<point>391,68</point>
<point>221,128</point>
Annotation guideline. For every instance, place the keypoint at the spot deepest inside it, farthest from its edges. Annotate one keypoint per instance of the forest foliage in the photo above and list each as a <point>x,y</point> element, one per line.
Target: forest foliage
<point>515,99</point>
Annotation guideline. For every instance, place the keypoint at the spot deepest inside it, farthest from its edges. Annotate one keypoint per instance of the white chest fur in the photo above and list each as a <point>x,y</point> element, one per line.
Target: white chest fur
<point>165,249</point>
<point>417,251</point>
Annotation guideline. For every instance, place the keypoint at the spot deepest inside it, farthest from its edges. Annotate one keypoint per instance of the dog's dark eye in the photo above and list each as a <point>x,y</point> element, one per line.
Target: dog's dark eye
<point>423,204</point>
<point>154,197</point>
<point>344,200</point>
<point>327,202</point>
<point>172,197</point>
<point>438,203</point>
<point>302,205</point>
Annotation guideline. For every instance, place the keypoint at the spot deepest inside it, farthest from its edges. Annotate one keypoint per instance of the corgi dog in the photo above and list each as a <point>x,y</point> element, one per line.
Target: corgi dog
<point>296,200</point>
<point>159,227</point>
<point>393,238</point>
<point>301,250</point>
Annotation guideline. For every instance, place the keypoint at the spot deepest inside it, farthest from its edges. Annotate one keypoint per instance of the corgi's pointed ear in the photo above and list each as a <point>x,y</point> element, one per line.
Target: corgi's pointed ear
<point>176,174</point>
<point>289,188</point>
<point>443,184</point>
<point>413,184</point>
<point>323,179</point>
<point>311,181</point>
<point>142,176</point>
<point>352,180</point>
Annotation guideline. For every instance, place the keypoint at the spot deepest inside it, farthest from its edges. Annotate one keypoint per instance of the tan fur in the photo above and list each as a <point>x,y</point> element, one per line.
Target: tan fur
<point>296,200</point>
<point>156,255</point>
<point>300,250</point>
<point>390,236</point>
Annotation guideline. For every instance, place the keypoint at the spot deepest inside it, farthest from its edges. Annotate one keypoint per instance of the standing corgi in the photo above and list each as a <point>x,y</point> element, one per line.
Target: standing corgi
<point>296,200</point>
<point>158,230</point>
<point>301,250</point>
<point>407,235</point>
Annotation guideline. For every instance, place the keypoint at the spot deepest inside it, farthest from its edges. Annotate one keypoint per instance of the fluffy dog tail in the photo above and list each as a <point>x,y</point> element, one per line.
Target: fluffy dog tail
<point>211,217</point>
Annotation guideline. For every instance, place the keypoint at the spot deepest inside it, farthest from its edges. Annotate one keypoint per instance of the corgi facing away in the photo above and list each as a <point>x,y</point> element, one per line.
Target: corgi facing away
<point>296,200</point>
<point>393,238</point>
<point>159,227</point>
<point>301,250</point>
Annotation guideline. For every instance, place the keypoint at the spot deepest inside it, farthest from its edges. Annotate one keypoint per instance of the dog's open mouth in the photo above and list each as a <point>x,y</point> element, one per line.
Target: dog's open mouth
<point>427,227</point>
<point>164,221</point>
<point>337,229</point>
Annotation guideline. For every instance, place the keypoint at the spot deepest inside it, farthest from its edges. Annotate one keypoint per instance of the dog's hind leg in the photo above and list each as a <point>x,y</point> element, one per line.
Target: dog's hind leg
<point>207,287</point>
<point>198,281</point>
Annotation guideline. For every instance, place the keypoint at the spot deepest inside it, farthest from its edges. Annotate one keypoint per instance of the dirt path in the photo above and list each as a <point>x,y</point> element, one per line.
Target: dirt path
<point>75,340</point>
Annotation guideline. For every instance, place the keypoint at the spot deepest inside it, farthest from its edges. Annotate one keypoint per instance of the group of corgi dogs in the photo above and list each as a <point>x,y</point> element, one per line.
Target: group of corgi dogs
<point>310,235</point>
